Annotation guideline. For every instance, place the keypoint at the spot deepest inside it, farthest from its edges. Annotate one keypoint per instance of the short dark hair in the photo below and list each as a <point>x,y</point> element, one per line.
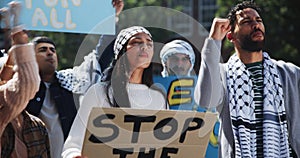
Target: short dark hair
<point>42,39</point>
<point>240,6</point>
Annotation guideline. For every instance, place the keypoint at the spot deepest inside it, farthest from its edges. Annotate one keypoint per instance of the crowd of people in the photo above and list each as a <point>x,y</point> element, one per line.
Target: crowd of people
<point>257,98</point>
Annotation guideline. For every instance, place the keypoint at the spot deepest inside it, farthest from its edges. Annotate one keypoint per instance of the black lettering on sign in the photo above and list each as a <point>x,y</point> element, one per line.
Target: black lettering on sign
<point>159,132</point>
<point>123,152</point>
<point>187,127</point>
<point>137,121</point>
<point>150,154</point>
<point>98,123</point>
<point>166,150</point>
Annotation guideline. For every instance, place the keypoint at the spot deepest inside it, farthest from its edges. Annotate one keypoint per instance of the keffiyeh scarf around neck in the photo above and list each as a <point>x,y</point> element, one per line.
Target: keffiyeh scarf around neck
<point>242,110</point>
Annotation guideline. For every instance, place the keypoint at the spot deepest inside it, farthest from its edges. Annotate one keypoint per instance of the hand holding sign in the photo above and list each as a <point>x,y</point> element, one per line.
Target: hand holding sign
<point>10,14</point>
<point>15,10</point>
<point>19,36</point>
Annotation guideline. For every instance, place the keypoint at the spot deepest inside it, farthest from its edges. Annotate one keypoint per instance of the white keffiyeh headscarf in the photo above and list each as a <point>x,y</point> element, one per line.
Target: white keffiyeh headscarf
<point>241,103</point>
<point>173,47</point>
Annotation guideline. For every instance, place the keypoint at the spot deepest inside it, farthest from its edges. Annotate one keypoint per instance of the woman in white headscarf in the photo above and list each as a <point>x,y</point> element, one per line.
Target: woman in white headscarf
<point>126,83</point>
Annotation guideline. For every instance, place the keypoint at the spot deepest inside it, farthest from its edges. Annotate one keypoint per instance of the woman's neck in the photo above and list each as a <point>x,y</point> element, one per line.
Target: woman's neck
<point>136,76</point>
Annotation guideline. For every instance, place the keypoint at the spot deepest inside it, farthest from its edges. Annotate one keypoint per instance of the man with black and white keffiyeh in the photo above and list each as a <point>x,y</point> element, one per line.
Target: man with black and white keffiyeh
<point>54,102</point>
<point>257,97</point>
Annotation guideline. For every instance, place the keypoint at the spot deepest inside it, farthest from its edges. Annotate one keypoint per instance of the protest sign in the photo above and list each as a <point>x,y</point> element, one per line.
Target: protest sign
<point>75,16</point>
<point>179,90</point>
<point>130,133</point>
<point>180,95</point>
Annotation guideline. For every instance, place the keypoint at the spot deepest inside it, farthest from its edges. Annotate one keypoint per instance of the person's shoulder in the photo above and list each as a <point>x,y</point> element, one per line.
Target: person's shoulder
<point>96,95</point>
<point>65,79</point>
<point>34,123</point>
<point>99,87</point>
<point>287,66</point>
<point>64,73</point>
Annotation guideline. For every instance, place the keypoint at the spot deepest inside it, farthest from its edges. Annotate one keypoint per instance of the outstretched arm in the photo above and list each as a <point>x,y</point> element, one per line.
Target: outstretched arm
<point>209,90</point>
<point>20,78</point>
<point>89,72</point>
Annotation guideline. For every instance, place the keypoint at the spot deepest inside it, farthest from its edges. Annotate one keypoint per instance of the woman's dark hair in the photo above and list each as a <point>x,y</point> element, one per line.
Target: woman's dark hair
<point>116,76</point>
<point>243,5</point>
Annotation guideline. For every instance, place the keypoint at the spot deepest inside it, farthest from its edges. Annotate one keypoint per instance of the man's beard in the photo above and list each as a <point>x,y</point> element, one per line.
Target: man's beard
<point>176,71</point>
<point>252,46</point>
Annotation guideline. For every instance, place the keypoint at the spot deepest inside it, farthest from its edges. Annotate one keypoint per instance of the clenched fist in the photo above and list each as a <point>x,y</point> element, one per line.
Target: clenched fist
<point>219,28</point>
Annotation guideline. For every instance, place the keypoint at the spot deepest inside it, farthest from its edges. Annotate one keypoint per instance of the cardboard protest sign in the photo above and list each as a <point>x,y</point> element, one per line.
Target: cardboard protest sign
<point>180,95</point>
<point>76,16</point>
<point>130,133</point>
